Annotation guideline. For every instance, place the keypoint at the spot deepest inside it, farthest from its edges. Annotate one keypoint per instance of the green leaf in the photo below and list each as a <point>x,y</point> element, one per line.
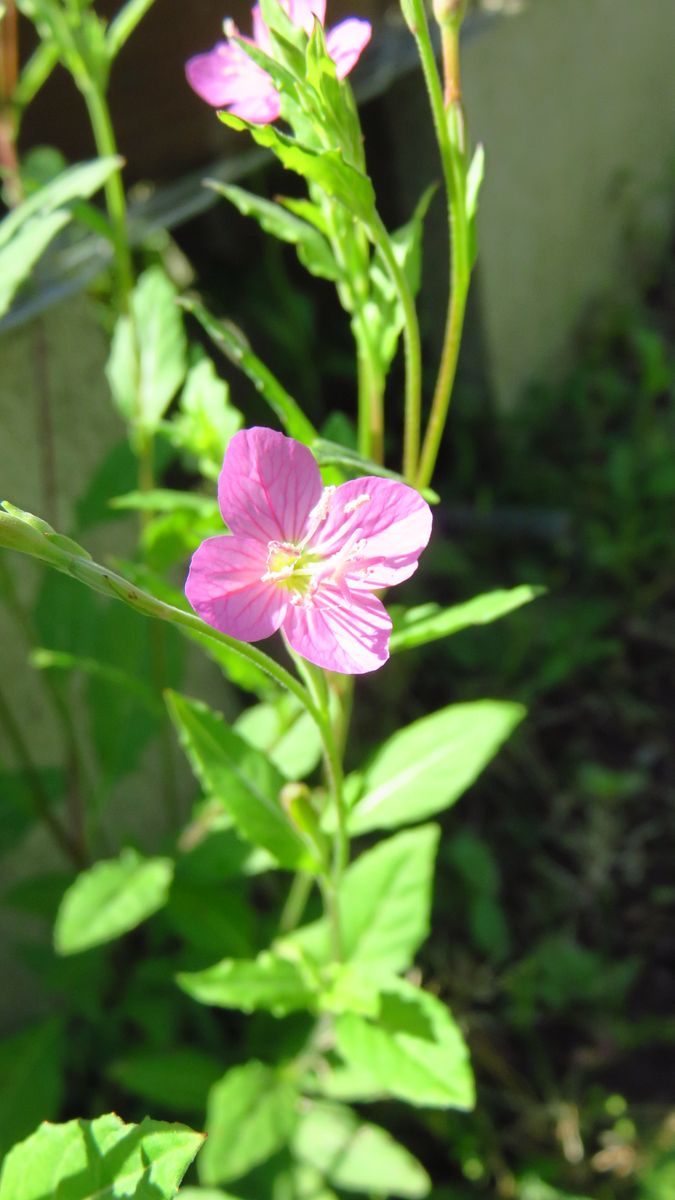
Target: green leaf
<point>429,622</point>
<point>111,898</point>
<point>428,765</point>
<point>124,23</point>
<point>199,1193</point>
<point>386,317</point>
<point>268,982</point>
<point>147,361</point>
<point>26,247</point>
<point>60,660</point>
<point>356,1155</point>
<point>312,248</point>
<point>232,343</point>
<point>251,1113</point>
<point>326,168</point>
<point>214,918</point>
<point>30,227</point>
<point>206,421</point>
<point>176,1080</point>
<point>28,535</point>
<point>247,784</point>
<point>31,1080</point>
<point>384,900</point>
<point>413,1051</point>
<point>474,179</point>
<point>166,500</point>
<point>76,183</point>
<point>331,454</point>
<point>99,1160</point>
<point>285,732</point>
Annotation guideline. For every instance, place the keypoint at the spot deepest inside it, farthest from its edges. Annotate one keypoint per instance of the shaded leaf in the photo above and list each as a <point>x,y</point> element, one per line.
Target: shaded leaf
<point>356,1155</point>
<point>246,783</point>
<point>31,1080</point>
<point>175,1079</point>
<point>251,1113</point>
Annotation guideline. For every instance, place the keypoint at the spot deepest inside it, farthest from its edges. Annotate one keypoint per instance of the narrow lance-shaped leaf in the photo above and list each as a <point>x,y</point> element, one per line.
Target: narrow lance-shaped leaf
<point>30,535</point>
<point>75,183</point>
<point>430,622</point>
<point>27,231</point>
<point>233,345</point>
<point>329,453</point>
<point>313,250</point>
<point>326,168</point>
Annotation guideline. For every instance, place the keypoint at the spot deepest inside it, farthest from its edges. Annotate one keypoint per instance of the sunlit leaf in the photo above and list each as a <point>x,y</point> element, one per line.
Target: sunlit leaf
<point>413,1050</point>
<point>111,898</point>
<point>99,1160</point>
<point>427,766</point>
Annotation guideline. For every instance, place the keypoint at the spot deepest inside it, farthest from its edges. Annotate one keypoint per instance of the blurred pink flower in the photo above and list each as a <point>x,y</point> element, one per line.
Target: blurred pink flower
<point>227,78</point>
<point>306,558</point>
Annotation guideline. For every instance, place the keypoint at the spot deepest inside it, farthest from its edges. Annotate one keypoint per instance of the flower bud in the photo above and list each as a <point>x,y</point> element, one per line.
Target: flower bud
<point>296,800</point>
<point>449,12</point>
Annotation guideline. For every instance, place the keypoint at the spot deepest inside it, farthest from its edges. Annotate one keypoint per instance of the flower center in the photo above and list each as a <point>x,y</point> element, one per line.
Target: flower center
<point>299,569</point>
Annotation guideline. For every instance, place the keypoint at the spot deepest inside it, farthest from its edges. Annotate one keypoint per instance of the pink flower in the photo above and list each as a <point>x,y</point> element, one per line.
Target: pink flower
<point>305,558</point>
<point>227,78</point>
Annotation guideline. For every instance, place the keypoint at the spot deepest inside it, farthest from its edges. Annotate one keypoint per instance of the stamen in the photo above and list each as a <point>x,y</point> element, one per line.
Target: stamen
<point>318,514</point>
<point>357,502</point>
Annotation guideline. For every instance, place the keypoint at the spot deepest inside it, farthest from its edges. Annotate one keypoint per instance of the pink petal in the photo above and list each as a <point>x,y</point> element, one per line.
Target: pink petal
<point>227,78</point>
<point>268,486</point>
<point>340,631</point>
<point>225,588</point>
<point>346,42</point>
<point>303,12</point>
<point>391,520</point>
<point>261,34</point>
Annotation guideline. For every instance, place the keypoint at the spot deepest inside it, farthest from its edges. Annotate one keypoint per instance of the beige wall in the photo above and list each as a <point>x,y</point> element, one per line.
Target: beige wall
<point>574,101</point>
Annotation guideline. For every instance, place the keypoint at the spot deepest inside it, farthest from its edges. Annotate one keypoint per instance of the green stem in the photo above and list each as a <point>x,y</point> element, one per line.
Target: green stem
<point>445,102</point>
<point>296,902</point>
<point>413,349</point>
<point>106,144</point>
<point>370,398</point>
<point>39,794</point>
<point>81,775</point>
<point>331,906</point>
<point>317,685</point>
<point>17,534</point>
